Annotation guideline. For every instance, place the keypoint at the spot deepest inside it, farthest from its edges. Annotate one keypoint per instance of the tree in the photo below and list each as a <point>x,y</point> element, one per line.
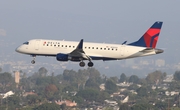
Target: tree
<point>32,99</point>
<point>134,79</point>
<point>63,106</point>
<point>48,106</point>
<point>78,99</point>
<point>114,79</point>
<point>110,86</point>
<point>6,78</point>
<point>142,106</point>
<point>164,74</point>
<point>93,73</point>
<point>91,83</point>
<point>124,107</point>
<point>43,80</point>
<point>24,75</point>
<point>68,88</point>
<point>142,91</point>
<point>69,75</point>
<point>50,90</point>
<point>42,71</point>
<point>89,94</point>
<point>133,87</point>
<point>177,76</point>
<point>13,102</point>
<point>162,105</point>
<point>155,77</point>
<point>143,81</point>
<point>123,78</point>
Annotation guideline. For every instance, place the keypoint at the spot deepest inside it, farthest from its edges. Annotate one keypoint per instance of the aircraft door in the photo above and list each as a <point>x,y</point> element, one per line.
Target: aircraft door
<point>37,43</point>
<point>122,47</point>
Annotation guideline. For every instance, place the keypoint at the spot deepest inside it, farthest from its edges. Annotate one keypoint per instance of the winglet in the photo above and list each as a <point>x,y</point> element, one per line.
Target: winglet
<point>80,45</point>
<point>124,42</point>
<point>150,38</point>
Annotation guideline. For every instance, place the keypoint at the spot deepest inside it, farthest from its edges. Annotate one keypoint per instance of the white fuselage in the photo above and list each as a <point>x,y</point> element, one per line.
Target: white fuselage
<point>97,51</point>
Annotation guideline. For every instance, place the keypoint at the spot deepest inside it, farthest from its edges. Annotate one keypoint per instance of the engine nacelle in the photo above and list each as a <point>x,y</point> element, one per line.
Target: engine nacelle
<point>62,57</point>
<point>66,57</point>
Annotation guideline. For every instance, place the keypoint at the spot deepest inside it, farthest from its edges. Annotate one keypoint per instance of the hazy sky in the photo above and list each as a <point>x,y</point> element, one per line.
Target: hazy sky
<point>94,20</point>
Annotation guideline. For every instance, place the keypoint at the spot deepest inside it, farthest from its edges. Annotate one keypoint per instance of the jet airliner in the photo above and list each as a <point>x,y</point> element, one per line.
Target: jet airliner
<point>80,51</point>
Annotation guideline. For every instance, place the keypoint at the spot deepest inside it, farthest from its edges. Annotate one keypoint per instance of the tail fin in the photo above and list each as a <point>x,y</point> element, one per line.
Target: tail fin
<point>150,38</point>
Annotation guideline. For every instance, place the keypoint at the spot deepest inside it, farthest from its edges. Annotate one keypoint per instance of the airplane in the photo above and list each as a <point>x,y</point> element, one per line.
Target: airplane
<point>80,51</point>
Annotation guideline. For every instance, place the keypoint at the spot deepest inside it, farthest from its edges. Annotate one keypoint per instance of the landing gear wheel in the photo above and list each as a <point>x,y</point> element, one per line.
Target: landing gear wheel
<point>81,64</point>
<point>33,61</point>
<point>90,64</point>
<point>34,57</point>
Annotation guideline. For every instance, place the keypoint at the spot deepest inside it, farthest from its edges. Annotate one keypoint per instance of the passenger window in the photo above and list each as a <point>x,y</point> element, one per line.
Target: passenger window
<point>62,46</point>
<point>89,47</point>
<point>96,47</point>
<point>92,47</point>
<point>104,48</point>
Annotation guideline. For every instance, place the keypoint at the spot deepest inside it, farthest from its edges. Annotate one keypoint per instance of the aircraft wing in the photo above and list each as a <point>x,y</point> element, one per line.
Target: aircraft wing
<point>78,52</point>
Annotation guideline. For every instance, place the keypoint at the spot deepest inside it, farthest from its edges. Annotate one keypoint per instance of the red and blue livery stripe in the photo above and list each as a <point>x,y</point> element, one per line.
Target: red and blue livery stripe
<point>150,38</point>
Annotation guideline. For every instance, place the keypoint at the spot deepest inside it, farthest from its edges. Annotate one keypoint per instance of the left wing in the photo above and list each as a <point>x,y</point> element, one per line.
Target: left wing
<point>78,52</point>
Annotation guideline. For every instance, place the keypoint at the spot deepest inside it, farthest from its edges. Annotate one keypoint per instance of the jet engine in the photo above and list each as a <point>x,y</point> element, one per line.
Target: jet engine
<point>66,57</point>
<point>62,57</point>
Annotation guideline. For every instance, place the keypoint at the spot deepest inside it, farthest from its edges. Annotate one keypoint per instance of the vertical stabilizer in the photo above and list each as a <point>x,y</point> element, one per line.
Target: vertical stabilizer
<point>150,38</point>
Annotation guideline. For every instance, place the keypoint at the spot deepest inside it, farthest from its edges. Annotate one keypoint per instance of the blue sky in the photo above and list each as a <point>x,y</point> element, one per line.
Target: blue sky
<point>94,20</point>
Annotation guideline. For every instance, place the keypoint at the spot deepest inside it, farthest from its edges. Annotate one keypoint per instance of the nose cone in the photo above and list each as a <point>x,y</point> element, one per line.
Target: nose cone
<point>18,49</point>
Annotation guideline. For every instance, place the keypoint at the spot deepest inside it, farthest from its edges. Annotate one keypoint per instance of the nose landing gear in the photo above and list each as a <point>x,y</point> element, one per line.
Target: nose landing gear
<point>33,61</point>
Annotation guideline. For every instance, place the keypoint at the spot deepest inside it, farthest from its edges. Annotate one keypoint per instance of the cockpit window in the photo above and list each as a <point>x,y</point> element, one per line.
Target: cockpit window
<point>26,43</point>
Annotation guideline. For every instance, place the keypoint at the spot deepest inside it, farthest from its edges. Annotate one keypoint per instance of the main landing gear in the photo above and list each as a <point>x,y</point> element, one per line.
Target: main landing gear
<point>82,64</point>
<point>33,61</point>
<point>90,64</point>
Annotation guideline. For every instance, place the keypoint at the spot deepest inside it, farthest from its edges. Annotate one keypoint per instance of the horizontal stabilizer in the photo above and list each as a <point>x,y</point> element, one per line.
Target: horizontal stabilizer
<point>147,50</point>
